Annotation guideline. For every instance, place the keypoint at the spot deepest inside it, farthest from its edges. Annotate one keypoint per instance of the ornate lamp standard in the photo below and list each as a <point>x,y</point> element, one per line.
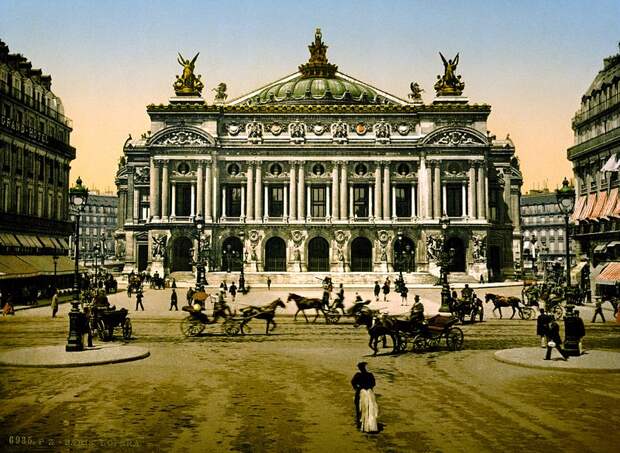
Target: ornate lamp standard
<point>97,254</point>
<point>78,196</point>
<point>243,259</point>
<point>55,259</point>
<point>445,259</point>
<point>199,223</point>
<point>566,202</point>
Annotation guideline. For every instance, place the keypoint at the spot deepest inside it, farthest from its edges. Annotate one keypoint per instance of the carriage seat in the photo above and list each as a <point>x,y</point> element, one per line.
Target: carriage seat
<point>438,323</point>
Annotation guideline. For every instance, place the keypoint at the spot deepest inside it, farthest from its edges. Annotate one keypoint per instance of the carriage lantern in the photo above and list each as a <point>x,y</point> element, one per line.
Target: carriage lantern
<point>78,196</point>
<point>566,202</point>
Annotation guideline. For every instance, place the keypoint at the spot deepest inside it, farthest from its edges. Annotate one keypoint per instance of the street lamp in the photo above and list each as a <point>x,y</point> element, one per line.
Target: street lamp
<point>242,276</point>
<point>566,202</point>
<point>199,223</point>
<point>55,259</point>
<point>96,254</point>
<point>78,196</point>
<point>445,259</point>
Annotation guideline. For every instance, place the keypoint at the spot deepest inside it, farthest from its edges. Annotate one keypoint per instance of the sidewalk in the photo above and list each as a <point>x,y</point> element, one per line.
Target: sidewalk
<point>591,361</point>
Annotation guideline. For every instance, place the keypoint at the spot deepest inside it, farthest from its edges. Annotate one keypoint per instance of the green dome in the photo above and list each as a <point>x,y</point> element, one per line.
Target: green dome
<point>318,90</point>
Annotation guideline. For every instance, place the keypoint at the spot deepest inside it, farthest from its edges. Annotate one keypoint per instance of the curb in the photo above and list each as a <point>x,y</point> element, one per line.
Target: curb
<point>56,356</point>
<point>548,365</point>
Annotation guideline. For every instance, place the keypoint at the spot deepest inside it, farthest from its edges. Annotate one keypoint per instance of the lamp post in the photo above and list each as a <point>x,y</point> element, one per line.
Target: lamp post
<point>566,202</point>
<point>242,257</point>
<point>200,224</point>
<point>445,258</point>
<point>78,196</point>
<point>96,254</point>
<point>55,259</point>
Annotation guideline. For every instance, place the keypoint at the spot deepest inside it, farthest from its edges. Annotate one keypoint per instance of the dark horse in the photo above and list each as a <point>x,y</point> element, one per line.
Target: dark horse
<point>306,303</point>
<point>268,313</point>
<point>501,301</point>
<point>377,329</point>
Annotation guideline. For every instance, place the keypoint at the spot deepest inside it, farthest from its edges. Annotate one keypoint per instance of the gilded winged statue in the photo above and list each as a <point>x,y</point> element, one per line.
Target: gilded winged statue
<point>449,84</point>
<point>188,84</point>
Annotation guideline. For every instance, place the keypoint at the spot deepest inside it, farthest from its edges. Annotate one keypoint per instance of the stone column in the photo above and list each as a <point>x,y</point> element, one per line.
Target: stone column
<point>293,191</point>
<point>463,200</point>
<point>258,192</point>
<point>422,187</point>
<point>301,191</point>
<point>328,204</point>
<point>387,209</point>
<point>481,202</point>
<point>351,213</point>
<point>266,201</point>
<point>429,191</point>
<point>285,203</point>
<point>223,202</point>
<point>243,202</point>
<point>437,191</point>
<point>509,215</point>
<point>308,202</point>
<point>444,199</point>
<point>208,193</point>
<point>413,198</point>
<point>153,182</point>
<point>394,201</point>
<point>192,203</point>
<point>130,196</point>
<point>344,188</point>
<point>216,190</point>
<point>136,205</point>
<point>335,210</point>
<point>173,203</point>
<point>471,206</point>
<point>370,200</point>
<point>378,198</point>
<point>165,191</point>
<point>250,192</point>
<point>200,189</point>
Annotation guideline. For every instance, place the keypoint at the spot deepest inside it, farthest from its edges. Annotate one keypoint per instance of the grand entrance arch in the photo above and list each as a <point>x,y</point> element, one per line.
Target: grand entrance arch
<point>318,255</point>
<point>458,260</point>
<point>404,255</point>
<point>361,255</point>
<point>275,255</point>
<point>181,255</point>
<point>232,254</point>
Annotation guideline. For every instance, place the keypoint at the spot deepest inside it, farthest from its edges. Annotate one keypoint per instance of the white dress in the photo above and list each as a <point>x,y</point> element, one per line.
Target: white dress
<point>368,411</point>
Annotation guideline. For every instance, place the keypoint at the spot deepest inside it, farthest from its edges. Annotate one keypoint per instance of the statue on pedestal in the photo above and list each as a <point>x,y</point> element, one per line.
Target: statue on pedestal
<point>449,84</point>
<point>188,84</point>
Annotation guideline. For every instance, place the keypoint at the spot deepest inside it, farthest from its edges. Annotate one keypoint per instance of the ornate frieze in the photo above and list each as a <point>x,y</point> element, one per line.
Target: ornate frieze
<point>455,138</point>
<point>181,138</point>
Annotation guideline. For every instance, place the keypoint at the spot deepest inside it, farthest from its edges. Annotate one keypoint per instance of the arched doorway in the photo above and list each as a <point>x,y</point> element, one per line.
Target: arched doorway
<point>318,255</point>
<point>361,255</point>
<point>275,255</point>
<point>458,260</point>
<point>181,255</point>
<point>404,255</point>
<point>232,254</point>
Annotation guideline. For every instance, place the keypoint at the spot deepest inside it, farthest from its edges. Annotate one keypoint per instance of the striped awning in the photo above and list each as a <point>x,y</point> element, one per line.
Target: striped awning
<point>9,240</point>
<point>581,203</point>
<point>23,266</point>
<point>610,275</point>
<point>587,211</point>
<point>598,206</point>
<point>612,199</point>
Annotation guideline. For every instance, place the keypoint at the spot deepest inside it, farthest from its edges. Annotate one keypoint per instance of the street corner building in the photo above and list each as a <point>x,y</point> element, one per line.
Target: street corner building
<point>35,155</point>
<point>319,172</point>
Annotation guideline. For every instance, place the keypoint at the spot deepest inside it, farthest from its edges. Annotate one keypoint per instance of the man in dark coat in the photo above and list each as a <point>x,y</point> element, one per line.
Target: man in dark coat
<point>555,341</point>
<point>541,327</point>
<point>377,291</point>
<point>174,300</point>
<point>139,297</point>
<point>386,289</point>
<point>363,379</point>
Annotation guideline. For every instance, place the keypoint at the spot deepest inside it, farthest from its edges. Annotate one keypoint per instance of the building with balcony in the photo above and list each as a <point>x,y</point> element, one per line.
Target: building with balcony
<point>596,163</point>
<point>542,225</point>
<point>319,172</point>
<point>35,154</point>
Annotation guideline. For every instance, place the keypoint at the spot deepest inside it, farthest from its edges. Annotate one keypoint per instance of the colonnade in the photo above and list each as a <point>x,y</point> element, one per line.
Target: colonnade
<point>209,195</point>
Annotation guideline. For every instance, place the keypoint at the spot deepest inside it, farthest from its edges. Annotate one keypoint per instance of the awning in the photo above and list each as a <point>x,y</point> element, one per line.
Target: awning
<point>589,207</point>
<point>612,164</point>
<point>612,199</point>
<point>600,248</point>
<point>47,242</point>
<point>598,207</point>
<point>581,202</point>
<point>63,242</point>
<point>610,275</point>
<point>9,240</point>
<point>14,266</point>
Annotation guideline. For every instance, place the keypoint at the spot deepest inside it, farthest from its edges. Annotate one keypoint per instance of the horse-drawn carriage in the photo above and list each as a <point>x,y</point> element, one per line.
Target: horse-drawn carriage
<point>525,310</point>
<point>470,308</point>
<point>434,330</point>
<point>197,320</point>
<point>104,320</point>
<point>331,312</point>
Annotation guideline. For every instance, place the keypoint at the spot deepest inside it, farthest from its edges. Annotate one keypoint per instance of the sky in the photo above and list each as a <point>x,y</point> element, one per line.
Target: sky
<point>530,60</point>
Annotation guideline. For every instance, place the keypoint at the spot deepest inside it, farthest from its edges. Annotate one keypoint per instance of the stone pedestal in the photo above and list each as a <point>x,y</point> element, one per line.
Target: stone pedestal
<point>478,269</point>
<point>157,266</point>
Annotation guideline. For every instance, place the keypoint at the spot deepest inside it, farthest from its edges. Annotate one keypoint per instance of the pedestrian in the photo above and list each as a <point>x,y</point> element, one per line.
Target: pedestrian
<point>598,310</point>
<point>268,283</point>
<point>174,300</point>
<point>224,286</point>
<point>481,279</point>
<point>403,295</point>
<point>139,296</point>
<point>174,283</point>
<point>555,341</point>
<point>189,296</point>
<point>386,289</point>
<point>340,294</point>
<point>541,327</point>
<point>232,289</point>
<point>366,409</point>
<point>377,291</point>
<point>54,303</point>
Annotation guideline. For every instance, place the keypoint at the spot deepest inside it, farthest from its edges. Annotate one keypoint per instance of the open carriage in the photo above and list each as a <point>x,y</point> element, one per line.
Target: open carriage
<point>104,320</point>
<point>437,328</point>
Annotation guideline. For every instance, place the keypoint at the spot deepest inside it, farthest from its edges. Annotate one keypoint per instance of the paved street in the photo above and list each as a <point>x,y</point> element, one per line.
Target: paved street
<point>290,391</point>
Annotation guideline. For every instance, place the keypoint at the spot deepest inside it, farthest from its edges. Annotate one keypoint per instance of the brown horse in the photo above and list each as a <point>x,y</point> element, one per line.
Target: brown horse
<point>502,301</point>
<point>306,303</point>
<point>268,313</point>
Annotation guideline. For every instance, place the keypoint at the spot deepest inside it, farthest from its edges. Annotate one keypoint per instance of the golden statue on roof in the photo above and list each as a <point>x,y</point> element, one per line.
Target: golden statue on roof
<point>449,84</point>
<point>188,84</point>
<point>317,65</point>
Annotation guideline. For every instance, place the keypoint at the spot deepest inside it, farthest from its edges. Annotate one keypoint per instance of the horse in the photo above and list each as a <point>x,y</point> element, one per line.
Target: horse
<point>378,329</point>
<point>306,303</point>
<point>501,301</point>
<point>267,312</point>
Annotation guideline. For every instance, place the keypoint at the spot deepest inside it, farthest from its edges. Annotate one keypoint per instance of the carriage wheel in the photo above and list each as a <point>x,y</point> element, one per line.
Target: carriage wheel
<point>403,342</point>
<point>557,311</point>
<point>191,327</point>
<point>127,329</point>
<point>332,318</point>
<point>527,313</point>
<point>454,339</point>
<point>418,345</point>
<point>102,332</point>
<point>231,328</point>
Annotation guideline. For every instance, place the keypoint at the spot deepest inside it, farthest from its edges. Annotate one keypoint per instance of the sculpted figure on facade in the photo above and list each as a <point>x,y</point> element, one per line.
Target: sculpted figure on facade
<point>382,130</point>
<point>479,250</point>
<point>434,245</point>
<point>340,129</point>
<point>455,138</point>
<point>298,130</point>
<point>119,248</point>
<point>220,93</point>
<point>255,238</point>
<point>188,84</point>
<point>141,175</point>
<point>416,92</point>
<point>449,84</point>
<point>255,130</point>
<point>181,138</point>
<point>159,245</point>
